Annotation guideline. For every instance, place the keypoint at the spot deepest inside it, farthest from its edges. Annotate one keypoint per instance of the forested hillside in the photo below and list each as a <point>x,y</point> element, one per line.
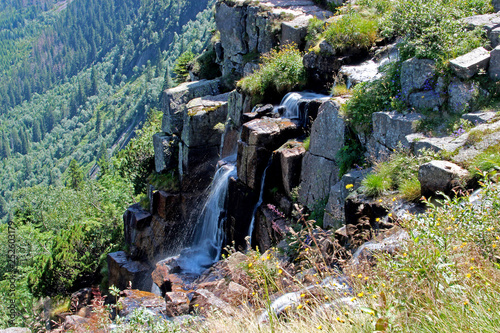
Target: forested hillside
<point>77,77</point>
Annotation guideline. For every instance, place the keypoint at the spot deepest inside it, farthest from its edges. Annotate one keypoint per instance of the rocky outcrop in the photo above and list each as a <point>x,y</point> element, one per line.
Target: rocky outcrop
<point>290,157</point>
<point>319,166</point>
<point>132,299</point>
<point>166,150</point>
<point>442,176</point>
<point>258,140</point>
<point>203,126</point>
<point>270,227</point>
<point>389,131</point>
<point>462,95</point>
<point>174,102</point>
<point>494,69</point>
<point>416,74</point>
<point>248,28</point>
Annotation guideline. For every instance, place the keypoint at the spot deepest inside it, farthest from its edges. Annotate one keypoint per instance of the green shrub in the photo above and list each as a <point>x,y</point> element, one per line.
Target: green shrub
<point>369,97</point>
<point>352,30</point>
<point>281,71</point>
<point>351,154</point>
<point>432,28</point>
<point>205,67</point>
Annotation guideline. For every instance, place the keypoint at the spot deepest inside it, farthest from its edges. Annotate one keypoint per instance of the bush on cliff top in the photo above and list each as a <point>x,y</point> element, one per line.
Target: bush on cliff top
<point>281,71</point>
<point>351,31</point>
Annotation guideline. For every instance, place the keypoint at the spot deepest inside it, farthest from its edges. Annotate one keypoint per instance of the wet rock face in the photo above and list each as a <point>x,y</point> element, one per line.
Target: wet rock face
<point>270,227</point>
<point>240,206</point>
<point>441,176</point>
<point>123,270</point>
<point>321,68</point>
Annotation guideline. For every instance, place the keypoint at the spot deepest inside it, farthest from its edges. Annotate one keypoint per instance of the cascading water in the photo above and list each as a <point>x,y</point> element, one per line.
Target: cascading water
<point>291,103</point>
<point>208,240</point>
<point>259,202</point>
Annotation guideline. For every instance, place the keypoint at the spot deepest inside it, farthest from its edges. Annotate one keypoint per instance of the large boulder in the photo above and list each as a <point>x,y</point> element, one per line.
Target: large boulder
<point>416,74</point>
<point>441,176</point>
<point>426,100</point>
<point>177,303</point>
<point>463,95</point>
<point>295,31</point>
<point>389,131</point>
<point>205,301</point>
<point>124,271</point>
<point>494,69</point>
<point>468,65</point>
<point>174,102</point>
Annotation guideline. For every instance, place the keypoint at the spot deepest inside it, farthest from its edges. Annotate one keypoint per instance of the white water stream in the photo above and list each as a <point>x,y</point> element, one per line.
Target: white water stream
<point>208,239</point>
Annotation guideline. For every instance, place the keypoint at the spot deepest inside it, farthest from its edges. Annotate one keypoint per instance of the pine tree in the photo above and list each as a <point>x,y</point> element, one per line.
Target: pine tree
<point>37,133</point>
<point>74,177</point>
<point>93,82</point>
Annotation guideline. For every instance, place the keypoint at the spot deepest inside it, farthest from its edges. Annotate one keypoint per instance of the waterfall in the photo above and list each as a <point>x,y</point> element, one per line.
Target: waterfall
<point>259,202</point>
<point>208,239</point>
<point>292,99</point>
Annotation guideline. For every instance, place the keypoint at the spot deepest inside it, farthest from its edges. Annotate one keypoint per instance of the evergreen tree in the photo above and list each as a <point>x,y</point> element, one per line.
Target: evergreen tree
<point>74,177</point>
<point>37,133</point>
<point>181,67</point>
<point>93,82</point>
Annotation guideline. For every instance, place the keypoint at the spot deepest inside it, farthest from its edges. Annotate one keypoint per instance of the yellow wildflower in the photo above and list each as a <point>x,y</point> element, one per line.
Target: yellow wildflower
<point>348,186</point>
<point>360,294</point>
